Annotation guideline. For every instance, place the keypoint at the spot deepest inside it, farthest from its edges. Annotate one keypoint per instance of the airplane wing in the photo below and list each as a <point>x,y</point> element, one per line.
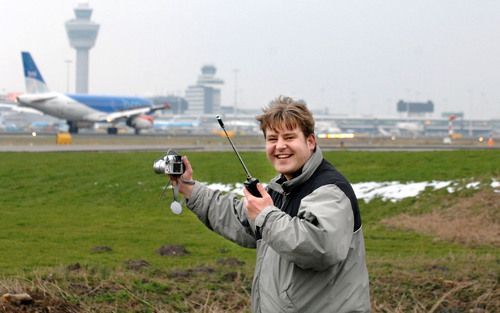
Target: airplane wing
<point>25,99</point>
<point>18,108</point>
<point>125,114</point>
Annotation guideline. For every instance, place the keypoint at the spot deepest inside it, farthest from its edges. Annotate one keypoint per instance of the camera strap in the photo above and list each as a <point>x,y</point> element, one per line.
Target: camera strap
<point>175,206</point>
<point>175,188</point>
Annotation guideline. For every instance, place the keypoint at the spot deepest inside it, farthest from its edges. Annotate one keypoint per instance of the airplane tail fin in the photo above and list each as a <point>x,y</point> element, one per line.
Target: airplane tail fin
<point>32,76</point>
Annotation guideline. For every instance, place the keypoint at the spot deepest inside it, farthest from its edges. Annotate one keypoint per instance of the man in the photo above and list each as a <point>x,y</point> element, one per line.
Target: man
<point>306,227</point>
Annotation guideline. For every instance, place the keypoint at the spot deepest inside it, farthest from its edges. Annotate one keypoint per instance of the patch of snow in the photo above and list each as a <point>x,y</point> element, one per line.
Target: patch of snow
<point>391,191</point>
<point>387,191</point>
<point>439,184</point>
<point>473,185</point>
<point>495,183</point>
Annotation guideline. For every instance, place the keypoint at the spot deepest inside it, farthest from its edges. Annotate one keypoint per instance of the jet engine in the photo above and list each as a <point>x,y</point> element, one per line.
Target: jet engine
<point>140,122</point>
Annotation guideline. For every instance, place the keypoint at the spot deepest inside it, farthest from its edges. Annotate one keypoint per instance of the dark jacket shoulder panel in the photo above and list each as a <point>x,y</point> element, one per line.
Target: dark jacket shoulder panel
<point>325,174</point>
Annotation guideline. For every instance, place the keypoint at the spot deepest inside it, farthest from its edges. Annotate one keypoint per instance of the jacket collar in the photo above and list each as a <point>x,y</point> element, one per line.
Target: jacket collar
<point>281,185</point>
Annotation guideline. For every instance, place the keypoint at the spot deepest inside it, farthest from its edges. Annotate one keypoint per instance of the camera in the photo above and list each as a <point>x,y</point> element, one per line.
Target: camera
<point>170,164</point>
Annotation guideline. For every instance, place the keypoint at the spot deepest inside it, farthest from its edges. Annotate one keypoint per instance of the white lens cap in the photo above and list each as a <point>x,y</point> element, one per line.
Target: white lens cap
<point>176,207</point>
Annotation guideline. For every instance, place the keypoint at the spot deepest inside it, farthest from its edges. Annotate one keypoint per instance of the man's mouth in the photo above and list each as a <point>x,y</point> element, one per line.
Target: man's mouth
<point>283,156</point>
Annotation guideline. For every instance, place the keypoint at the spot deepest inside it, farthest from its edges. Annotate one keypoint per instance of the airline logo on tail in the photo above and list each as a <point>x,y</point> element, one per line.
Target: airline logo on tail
<point>32,76</point>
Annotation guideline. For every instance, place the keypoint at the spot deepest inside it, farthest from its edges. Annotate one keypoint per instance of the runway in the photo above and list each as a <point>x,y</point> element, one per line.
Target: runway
<point>122,143</point>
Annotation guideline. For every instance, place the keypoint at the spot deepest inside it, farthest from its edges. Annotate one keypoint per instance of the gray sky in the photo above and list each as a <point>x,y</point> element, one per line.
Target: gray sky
<point>350,56</point>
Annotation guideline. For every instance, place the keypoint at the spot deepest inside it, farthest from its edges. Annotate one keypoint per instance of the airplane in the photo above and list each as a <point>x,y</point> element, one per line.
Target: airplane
<point>177,124</point>
<point>83,110</point>
<point>414,129</point>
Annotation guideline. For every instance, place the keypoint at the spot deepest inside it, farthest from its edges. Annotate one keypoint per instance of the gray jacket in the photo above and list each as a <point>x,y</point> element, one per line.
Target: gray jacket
<point>311,262</point>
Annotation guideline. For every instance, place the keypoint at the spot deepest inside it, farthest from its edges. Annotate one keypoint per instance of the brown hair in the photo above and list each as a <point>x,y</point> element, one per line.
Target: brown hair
<point>286,112</point>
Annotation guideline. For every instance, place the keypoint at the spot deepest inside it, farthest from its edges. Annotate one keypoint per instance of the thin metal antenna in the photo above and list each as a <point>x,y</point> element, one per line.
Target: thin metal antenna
<point>234,148</point>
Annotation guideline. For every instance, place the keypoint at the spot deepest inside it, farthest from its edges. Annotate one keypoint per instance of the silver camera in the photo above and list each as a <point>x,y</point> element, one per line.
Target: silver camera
<point>170,164</point>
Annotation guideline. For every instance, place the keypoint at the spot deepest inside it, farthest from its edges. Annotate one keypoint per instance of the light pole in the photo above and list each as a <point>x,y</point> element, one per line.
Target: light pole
<point>68,64</point>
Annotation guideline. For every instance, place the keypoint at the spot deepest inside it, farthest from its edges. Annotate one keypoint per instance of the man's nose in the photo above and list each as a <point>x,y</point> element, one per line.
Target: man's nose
<point>281,144</point>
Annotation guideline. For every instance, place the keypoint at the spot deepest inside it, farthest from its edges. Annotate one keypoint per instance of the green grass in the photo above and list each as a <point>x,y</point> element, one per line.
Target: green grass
<point>55,207</point>
<point>416,166</point>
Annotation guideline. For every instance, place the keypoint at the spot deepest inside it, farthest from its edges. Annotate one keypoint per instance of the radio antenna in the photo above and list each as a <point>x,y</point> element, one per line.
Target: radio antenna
<point>249,176</point>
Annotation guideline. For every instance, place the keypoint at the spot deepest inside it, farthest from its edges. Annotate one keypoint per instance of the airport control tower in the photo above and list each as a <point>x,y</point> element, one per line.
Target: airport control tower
<point>82,33</point>
<point>204,97</point>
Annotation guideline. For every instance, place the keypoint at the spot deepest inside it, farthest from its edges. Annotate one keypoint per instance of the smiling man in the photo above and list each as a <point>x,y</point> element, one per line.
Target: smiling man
<point>306,227</point>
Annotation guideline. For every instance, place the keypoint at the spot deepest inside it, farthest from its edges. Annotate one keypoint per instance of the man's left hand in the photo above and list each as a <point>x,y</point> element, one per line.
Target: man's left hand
<point>254,204</point>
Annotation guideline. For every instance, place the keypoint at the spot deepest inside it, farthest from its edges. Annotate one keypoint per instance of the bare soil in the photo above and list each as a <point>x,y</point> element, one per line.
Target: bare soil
<point>41,303</point>
<point>172,250</point>
<point>471,221</point>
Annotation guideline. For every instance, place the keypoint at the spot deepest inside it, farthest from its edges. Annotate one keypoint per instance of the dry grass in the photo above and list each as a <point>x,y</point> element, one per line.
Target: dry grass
<point>217,290</point>
<point>472,221</point>
<point>86,290</point>
<point>403,292</point>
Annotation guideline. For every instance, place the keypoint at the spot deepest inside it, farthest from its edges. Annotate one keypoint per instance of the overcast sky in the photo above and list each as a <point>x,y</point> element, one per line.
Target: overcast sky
<point>350,56</point>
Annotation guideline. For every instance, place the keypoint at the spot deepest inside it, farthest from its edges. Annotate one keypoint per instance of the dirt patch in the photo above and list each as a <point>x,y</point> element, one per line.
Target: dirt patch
<point>74,267</point>
<point>202,270</point>
<point>180,274</point>
<point>472,221</point>
<point>101,249</point>
<point>231,276</point>
<point>172,250</point>
<point>231,262</point>
<point>41,303</point>
<point>136,265</point>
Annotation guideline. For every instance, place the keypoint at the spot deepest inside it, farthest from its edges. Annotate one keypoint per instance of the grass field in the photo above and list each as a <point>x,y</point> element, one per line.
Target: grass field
<point>81,233</point>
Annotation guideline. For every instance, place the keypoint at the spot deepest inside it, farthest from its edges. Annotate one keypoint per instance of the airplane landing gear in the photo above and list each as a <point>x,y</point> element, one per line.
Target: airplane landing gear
<point>73,129</point>
<point>112,130</point>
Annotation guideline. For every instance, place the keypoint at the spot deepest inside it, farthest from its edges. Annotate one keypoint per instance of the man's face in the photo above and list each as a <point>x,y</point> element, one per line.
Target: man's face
<point>288,149</point>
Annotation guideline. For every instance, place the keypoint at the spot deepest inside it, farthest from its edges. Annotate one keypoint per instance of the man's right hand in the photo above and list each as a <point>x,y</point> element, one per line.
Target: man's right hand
<point>184,181</point>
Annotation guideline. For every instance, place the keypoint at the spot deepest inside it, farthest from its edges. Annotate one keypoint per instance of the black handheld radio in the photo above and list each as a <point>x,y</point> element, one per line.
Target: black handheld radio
<point>251,183</point>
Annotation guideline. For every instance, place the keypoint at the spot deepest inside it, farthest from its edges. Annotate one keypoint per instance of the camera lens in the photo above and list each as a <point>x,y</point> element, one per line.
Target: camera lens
<point>159,167</point>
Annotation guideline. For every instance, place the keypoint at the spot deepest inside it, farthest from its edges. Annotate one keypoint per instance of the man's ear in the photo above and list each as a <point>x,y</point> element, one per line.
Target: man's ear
<point>311,142</point>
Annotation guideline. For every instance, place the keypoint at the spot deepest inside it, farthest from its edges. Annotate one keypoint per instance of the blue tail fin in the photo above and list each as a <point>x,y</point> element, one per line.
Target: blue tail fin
<point>32,76</point>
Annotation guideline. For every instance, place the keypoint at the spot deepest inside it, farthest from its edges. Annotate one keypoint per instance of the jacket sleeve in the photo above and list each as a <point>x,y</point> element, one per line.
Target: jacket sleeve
<point>318,237</point>
<point>222,213</point>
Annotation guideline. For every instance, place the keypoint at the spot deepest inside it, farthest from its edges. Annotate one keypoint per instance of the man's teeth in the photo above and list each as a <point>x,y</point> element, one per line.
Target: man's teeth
<point>283,156</point>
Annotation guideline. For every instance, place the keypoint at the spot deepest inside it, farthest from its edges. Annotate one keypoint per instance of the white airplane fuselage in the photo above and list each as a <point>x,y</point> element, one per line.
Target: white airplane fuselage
<point>57,105</point>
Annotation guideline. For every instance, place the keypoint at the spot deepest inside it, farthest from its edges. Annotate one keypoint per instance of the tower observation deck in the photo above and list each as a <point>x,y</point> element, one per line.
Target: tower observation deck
<point>82,33</point>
